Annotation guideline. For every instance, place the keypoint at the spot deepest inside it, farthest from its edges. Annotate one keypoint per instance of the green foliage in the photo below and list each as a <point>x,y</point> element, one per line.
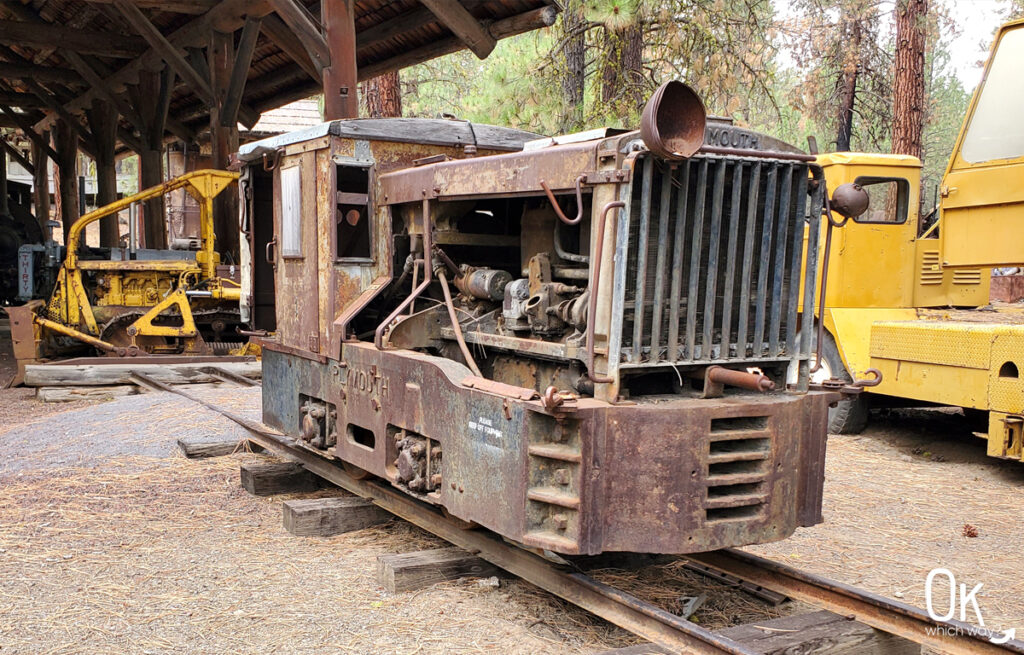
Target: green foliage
<point>775,73</point>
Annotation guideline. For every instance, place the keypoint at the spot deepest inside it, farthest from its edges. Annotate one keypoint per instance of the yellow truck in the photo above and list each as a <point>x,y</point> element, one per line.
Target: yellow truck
<point>908,295</point>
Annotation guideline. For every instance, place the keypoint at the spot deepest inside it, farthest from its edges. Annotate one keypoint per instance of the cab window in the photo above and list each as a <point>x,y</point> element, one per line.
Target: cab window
<point>996,130</point>
<point>889,199</point>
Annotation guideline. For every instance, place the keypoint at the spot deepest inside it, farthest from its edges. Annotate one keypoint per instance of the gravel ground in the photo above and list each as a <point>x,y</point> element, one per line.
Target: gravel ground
<point>111,542</point>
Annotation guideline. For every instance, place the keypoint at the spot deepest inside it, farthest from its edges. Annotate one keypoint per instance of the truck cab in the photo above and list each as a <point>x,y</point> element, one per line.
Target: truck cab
<point>909,295</point>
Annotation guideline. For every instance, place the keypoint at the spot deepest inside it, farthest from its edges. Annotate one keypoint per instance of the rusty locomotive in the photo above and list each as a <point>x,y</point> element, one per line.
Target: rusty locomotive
<point>585,343</point>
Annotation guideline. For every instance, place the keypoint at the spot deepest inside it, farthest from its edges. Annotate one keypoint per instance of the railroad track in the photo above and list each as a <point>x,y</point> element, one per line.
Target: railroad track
<point>622,609</point>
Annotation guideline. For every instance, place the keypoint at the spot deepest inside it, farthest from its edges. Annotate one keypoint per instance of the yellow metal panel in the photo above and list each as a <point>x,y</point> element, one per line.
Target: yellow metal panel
<point>1005,434</point>
<point>851,328</point>
<point>953,344</point>
<point>937,383</point>
<point>1006,392</point>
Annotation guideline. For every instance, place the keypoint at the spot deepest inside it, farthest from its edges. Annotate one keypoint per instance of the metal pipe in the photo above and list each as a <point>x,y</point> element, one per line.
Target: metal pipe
<point>84,338</point>
<point>562,252</point>
<point>594,287</point>
<point>741,379</point>
<point>428,276</point>
<point>824,279</point>
<point>456,326</point>
<point>558,210</point>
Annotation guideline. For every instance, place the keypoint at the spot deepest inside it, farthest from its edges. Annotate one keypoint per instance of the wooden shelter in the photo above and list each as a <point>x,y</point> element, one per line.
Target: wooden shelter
<point>107,76</point>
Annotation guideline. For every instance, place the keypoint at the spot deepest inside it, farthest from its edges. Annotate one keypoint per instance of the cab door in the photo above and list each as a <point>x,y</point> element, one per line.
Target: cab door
<point>293,252</point>
<point>982,221</point>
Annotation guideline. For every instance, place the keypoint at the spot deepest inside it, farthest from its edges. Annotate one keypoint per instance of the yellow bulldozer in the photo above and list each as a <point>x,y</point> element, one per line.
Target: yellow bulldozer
<point>126,302</point>
<point>908,294</point>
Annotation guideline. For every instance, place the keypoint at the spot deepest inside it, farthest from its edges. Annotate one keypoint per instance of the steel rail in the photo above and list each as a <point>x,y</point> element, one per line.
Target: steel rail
<point>950,637</point>
<point>618,607</point>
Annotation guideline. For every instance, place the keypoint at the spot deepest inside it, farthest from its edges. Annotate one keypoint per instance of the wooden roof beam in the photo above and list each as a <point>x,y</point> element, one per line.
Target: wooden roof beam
<point>23,100</point>
<point>284,38</point>
<point>174,6</point>
<point>175,59</point>
<point>518,24</point>
<point>38,73</point>
<point>24,124</point>
<point>306,29</point>
<point>240,73</point>
<point>47,35</point>
<point>226,14</point>
<point>463,25</point>
<point>18,157</point>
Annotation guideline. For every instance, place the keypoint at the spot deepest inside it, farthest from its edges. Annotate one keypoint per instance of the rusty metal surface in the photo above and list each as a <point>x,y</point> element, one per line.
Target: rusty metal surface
<point>745,457</point>
<point>622,609</point>
<point>673,121</point>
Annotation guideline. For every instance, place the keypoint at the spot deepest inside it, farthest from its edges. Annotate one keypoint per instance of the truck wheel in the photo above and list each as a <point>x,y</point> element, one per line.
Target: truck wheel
<point>848,416</point>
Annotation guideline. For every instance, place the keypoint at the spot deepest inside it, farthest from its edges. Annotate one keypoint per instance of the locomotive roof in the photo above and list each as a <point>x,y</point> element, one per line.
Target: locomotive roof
<point>430,131</point>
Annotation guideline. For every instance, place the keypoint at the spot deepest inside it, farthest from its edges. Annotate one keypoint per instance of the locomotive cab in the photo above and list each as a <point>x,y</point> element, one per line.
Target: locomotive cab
<point>587,343</point>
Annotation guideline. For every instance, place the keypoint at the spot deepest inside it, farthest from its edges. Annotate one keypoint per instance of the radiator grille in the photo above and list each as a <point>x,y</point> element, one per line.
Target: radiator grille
<point>967,276</point>
<point>713,260</point>
<point>931,271</point>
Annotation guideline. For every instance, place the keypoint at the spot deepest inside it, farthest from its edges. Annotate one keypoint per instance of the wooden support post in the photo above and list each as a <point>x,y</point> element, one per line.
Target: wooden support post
<point>103,121</point>
<point>202,448</point>
<point>276,478</point>
<point>65,140</point>
<point>815,632</point>
<point>41,184</point>
<point>5,208</point>
<point>341,99</point>
<point>411,571</point>
<point>152,99</point>
<point>224,141</point>
<point>325,517</point>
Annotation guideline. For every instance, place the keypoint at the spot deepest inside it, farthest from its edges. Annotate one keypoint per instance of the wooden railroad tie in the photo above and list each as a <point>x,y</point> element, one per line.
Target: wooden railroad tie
<point>815,632</point>
<point>202,448</point>
<point>411,571</point>
<point>325,517</point>
<point>270,478</point>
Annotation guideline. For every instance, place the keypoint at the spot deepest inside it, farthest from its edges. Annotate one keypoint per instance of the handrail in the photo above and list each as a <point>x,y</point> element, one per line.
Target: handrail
<point>74,234</point>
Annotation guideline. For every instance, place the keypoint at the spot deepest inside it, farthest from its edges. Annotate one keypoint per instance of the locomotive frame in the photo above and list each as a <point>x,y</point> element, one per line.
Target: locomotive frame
<point>561,420</point>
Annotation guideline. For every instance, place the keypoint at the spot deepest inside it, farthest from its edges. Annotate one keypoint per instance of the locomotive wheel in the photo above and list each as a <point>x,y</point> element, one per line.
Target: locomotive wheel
<point>848,416</point>
<point>115,331</point>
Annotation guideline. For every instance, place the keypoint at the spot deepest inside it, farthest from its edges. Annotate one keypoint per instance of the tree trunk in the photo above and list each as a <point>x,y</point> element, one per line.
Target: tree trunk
<point>41,185</point>
<point>103,124</point>
<point>848,84</point>
<point>384,96</point>
<point>908,81</point>
<point>66,144</point>
<point>622,73</point>
<point>574,51</point>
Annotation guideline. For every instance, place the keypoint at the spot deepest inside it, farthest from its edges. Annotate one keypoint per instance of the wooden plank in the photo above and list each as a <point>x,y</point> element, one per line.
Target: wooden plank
<point>176,6</point>
<point>463,25</point>
<point>48,375</point>
<point>43,35</point>
<point>410,571</point>
<point>268,479</point>
<point>71,394</point>
<point>325,517</point>
<point>23,100</point>
<point>18,157</point>
<point>808,634</point>
<point>194,448</point>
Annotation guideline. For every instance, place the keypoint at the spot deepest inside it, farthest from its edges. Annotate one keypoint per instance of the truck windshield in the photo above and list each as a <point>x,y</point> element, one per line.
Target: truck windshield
<point>996,130</point>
